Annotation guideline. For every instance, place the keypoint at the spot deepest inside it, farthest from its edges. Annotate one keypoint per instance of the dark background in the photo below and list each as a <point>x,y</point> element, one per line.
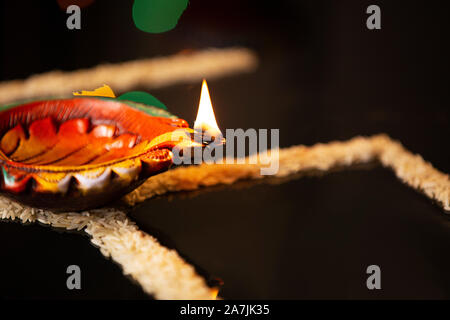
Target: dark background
<point>322,76</point>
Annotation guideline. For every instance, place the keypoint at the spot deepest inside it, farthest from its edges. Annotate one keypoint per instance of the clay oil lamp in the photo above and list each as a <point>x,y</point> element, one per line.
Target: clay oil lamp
<point>83,152</point>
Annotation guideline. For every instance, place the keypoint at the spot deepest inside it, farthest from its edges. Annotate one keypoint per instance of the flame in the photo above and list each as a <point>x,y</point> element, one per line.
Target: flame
<point>206,121</point>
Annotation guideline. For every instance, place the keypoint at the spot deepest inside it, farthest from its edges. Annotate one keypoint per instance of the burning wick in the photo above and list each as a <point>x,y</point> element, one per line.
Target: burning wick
<point>206,120</point>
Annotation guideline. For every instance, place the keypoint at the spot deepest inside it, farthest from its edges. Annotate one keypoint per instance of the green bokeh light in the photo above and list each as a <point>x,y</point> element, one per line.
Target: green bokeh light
<point>156,16</point>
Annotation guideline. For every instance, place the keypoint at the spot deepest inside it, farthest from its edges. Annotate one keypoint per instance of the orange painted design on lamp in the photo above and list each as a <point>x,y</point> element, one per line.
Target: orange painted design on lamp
<point>79,153</point>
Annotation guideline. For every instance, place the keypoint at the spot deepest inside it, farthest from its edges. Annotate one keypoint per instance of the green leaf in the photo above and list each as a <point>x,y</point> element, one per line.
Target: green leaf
<point>142,97</point>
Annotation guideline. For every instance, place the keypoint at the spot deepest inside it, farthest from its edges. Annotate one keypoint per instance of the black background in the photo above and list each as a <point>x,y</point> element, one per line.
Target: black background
<point>322,76</point>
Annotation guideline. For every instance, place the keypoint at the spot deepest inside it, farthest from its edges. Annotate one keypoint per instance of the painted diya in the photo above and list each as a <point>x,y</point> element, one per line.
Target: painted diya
<point>80,153</point>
